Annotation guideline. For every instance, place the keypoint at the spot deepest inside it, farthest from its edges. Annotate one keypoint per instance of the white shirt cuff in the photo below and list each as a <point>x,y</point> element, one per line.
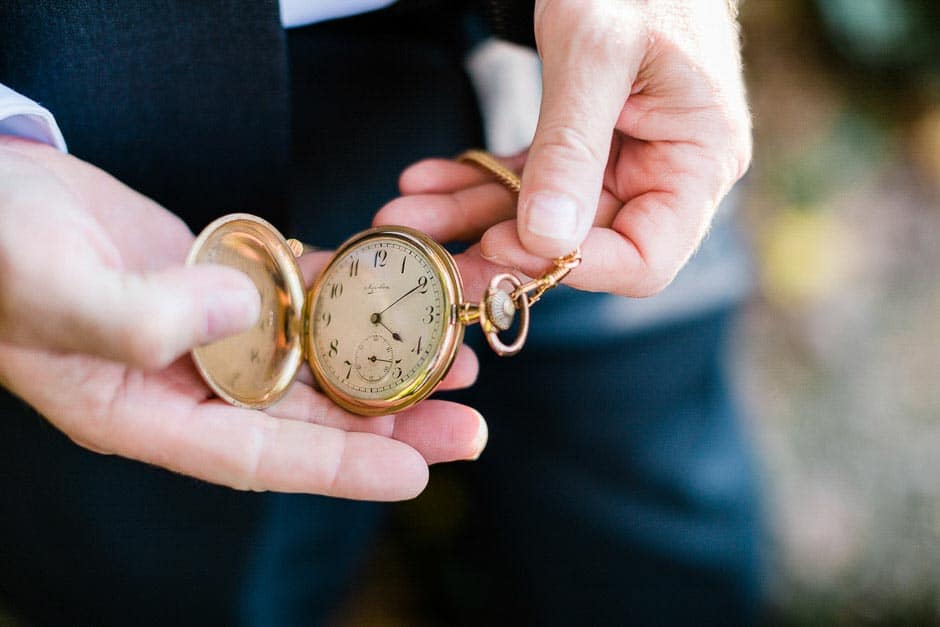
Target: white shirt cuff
<point>21,117</point>
<point>302,12</point>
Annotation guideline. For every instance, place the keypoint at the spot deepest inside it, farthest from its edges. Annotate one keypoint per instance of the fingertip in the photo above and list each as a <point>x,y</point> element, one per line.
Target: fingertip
<point>468,363</point>
<point>427,176</point>
<point>413,478</point>
<point>439,176</point>
<point>463,373</point>
<point>414,178</point>
<point>312,263</point>
<point>228,312</point>
<point>164,314</point>
<point>442,431</point>
<point>478,445</point>
<point>390,213</point>
<point>231,302</point>
<point>376,468</point>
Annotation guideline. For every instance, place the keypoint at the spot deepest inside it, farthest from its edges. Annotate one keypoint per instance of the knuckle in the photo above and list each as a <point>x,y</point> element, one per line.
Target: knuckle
<point>393,210</point>
<point>587,22</point>
<point>147,345</point>
<point>657,279</point>
<point>743,155</point>
<point>741,144</point>
<point>252,458</point>
<point>568,145</point>
<point>9,288</point>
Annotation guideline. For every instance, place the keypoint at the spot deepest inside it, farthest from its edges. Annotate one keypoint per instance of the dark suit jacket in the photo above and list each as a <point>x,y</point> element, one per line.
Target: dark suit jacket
<point>211,107</point>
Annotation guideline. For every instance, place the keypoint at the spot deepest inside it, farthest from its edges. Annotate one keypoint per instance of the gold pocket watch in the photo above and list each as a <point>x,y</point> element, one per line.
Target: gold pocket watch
<point>381,325</point>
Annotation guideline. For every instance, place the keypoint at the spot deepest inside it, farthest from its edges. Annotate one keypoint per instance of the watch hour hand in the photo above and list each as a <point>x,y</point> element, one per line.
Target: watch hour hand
<point>376,318</point>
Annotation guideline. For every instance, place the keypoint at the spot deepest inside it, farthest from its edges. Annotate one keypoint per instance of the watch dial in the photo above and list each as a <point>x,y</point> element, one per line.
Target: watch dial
<point>380,318</point>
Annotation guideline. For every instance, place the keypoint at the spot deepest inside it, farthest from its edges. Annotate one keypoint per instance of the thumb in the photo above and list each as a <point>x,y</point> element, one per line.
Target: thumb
<point>588,68</point>
<point>149,320</point>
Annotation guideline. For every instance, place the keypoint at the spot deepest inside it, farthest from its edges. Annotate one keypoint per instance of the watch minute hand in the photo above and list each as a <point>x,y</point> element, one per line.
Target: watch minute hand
<point>400,298</point>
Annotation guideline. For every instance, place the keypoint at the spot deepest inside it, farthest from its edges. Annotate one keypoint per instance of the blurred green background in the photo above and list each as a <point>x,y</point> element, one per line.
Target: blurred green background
<point>839,361</point>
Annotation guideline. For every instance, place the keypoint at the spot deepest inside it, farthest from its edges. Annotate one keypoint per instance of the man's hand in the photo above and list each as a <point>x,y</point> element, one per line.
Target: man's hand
<point>643,129</point>
<point>96,310</point>
<point>89,265</point>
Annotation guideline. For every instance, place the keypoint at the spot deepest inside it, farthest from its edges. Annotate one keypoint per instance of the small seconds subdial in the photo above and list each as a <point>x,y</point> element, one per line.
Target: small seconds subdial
<point>374,358</point>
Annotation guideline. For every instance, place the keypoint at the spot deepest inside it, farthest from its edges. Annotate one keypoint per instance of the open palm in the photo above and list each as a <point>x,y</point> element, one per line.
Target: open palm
<point>97,310</point>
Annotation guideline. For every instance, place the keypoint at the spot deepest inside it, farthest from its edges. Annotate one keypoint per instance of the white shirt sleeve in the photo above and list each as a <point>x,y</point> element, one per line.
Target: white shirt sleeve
<point>303,12</point>
<point>508,82</point>
<point>21,117</point>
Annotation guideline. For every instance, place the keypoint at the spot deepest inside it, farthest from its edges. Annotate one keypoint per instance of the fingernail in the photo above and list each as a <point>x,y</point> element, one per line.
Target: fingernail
<point>480,439</point>
<point>552,215</point>
<point>230,311</point>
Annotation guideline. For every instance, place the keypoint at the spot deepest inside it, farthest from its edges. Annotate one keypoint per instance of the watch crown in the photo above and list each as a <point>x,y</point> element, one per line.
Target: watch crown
<point>500,309</point>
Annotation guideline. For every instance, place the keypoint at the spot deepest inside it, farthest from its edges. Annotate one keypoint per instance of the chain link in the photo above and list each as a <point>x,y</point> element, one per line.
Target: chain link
<point>524,295</point>
<point>535,288</point>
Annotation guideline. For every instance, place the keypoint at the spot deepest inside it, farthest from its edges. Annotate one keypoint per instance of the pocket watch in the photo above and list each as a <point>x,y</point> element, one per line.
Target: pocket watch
<point>380,327</point>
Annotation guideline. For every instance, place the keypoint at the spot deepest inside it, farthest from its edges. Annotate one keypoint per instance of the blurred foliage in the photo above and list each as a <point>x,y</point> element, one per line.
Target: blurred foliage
<point>853,146</point>
<point>804,256</point>
<point>897,38</point>
<point>842,343</point>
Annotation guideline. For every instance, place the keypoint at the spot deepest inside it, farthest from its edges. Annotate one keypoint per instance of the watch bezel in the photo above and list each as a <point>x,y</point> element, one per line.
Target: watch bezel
<point>437,368</point>
<point>283,257</point>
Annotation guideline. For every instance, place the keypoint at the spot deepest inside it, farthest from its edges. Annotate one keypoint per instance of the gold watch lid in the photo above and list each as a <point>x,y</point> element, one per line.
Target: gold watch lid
<point>256,367</point>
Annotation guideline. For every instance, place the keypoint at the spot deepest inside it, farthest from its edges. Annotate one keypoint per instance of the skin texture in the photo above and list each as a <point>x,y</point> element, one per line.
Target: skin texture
<point>97,315</point>
<point>643,129</point>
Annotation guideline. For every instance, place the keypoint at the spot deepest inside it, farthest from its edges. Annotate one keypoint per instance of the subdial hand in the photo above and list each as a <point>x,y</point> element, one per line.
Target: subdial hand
<point>376,318</point>
<point>374,359</point>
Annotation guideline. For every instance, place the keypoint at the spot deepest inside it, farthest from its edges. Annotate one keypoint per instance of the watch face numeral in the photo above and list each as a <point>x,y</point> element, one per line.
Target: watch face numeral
<point>380,320</point>
<point>268,321</point>
<point>254,356</point>
<point>381,257</point>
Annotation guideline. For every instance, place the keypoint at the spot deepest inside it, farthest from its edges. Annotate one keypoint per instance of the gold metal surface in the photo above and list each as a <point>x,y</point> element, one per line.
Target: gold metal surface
<point>254,368</point>
<point>535,288</point>
<point>296,247</point>
<point>398,352</point>
<point>346,286</point>
<point>491,330</point>
<point>488,162</point>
